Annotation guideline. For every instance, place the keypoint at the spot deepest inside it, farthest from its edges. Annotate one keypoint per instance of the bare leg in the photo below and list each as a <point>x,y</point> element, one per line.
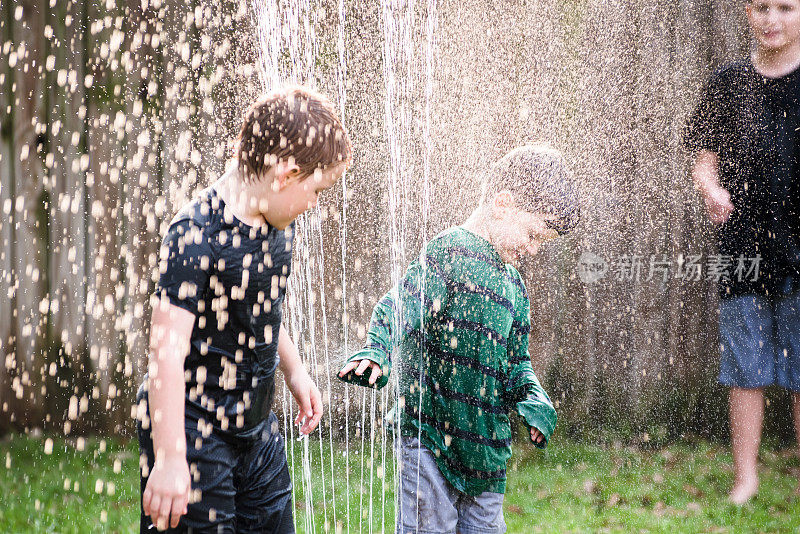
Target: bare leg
<point>796,413</point>
<point>747,415</point>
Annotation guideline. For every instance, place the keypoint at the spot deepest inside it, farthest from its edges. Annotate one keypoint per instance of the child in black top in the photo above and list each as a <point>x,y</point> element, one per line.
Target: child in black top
<point>746,135</point>
<point>216,335</point>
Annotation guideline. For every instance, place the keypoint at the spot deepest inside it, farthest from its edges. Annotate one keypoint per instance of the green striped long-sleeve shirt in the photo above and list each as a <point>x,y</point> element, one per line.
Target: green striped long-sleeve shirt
<point>456,330</point>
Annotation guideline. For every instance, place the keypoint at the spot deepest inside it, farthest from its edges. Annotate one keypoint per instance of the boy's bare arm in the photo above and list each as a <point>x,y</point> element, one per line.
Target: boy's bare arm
<point>167,492</point>
<point>705,174</point>
<point>299,382</point>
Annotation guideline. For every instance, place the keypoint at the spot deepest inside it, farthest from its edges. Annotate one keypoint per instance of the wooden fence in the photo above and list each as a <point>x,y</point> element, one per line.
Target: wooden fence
<point>115,112</point>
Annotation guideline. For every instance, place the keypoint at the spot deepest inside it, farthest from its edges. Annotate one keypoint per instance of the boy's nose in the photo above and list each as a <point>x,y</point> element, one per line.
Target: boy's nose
<point>773,16</point>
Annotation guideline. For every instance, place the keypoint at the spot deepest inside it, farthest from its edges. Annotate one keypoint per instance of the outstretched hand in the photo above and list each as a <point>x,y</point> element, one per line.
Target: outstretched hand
<point>360,367</point>
<point>536,436</point>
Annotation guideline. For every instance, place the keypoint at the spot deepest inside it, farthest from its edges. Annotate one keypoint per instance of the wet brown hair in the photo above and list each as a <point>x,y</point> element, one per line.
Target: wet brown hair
<point>539,180</point>
<point>292,124</point>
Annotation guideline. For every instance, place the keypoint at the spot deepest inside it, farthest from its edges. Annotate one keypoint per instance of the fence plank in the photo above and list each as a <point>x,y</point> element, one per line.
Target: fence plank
<point>608,84</point>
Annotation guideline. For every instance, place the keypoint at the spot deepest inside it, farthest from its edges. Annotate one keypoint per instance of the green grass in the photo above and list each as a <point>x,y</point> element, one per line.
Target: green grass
<point>681,488</point>
<point>70,486</point>
<point>52,486</point>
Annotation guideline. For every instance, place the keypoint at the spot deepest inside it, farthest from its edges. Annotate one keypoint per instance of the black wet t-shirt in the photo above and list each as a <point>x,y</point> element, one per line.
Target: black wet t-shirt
<point>753,124</point>
<point>232,277</point>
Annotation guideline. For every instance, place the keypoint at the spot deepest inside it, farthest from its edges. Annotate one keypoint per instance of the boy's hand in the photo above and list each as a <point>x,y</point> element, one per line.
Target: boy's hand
<point>166,495</point>
<point>718,204</point>
<point>308,398</point>
<point>360,366</point>
<point>536,436</point>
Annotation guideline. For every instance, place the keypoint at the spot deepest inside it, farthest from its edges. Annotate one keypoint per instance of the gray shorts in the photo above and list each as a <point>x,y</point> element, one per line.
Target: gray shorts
<point>429,504</point>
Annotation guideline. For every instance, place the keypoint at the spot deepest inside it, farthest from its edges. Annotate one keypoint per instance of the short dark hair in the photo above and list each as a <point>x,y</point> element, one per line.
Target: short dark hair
<point>539,180</point>
<point>291,123</point>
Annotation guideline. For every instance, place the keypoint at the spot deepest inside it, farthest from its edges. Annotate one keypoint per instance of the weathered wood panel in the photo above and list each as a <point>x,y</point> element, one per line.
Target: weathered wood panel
<point>124,108</point>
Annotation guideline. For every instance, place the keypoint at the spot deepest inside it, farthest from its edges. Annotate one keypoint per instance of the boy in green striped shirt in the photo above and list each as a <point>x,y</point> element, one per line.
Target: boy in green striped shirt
<point>456,330</point>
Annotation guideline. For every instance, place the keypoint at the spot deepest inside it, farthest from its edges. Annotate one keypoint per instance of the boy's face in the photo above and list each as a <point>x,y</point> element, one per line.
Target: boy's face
<point>519,233</point>
<point>289,194</point>
<point>775,23</point>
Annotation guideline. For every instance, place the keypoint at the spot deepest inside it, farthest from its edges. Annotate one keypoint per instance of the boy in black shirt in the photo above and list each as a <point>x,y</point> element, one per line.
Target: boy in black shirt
<point>746,134</point>
<point>216,337</point>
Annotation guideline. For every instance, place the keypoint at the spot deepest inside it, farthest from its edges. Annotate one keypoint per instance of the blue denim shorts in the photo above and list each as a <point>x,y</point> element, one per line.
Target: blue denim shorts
<point>429,504</point>
<point>760,341</point>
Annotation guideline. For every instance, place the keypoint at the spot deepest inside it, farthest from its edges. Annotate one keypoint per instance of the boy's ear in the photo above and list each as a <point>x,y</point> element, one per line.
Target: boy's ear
<point>504,200</point>
<point>285,173</point>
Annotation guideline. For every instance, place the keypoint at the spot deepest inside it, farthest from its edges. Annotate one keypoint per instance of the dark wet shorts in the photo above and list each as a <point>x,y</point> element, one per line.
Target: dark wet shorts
<point>244,483</point>
<point>760,341</point>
